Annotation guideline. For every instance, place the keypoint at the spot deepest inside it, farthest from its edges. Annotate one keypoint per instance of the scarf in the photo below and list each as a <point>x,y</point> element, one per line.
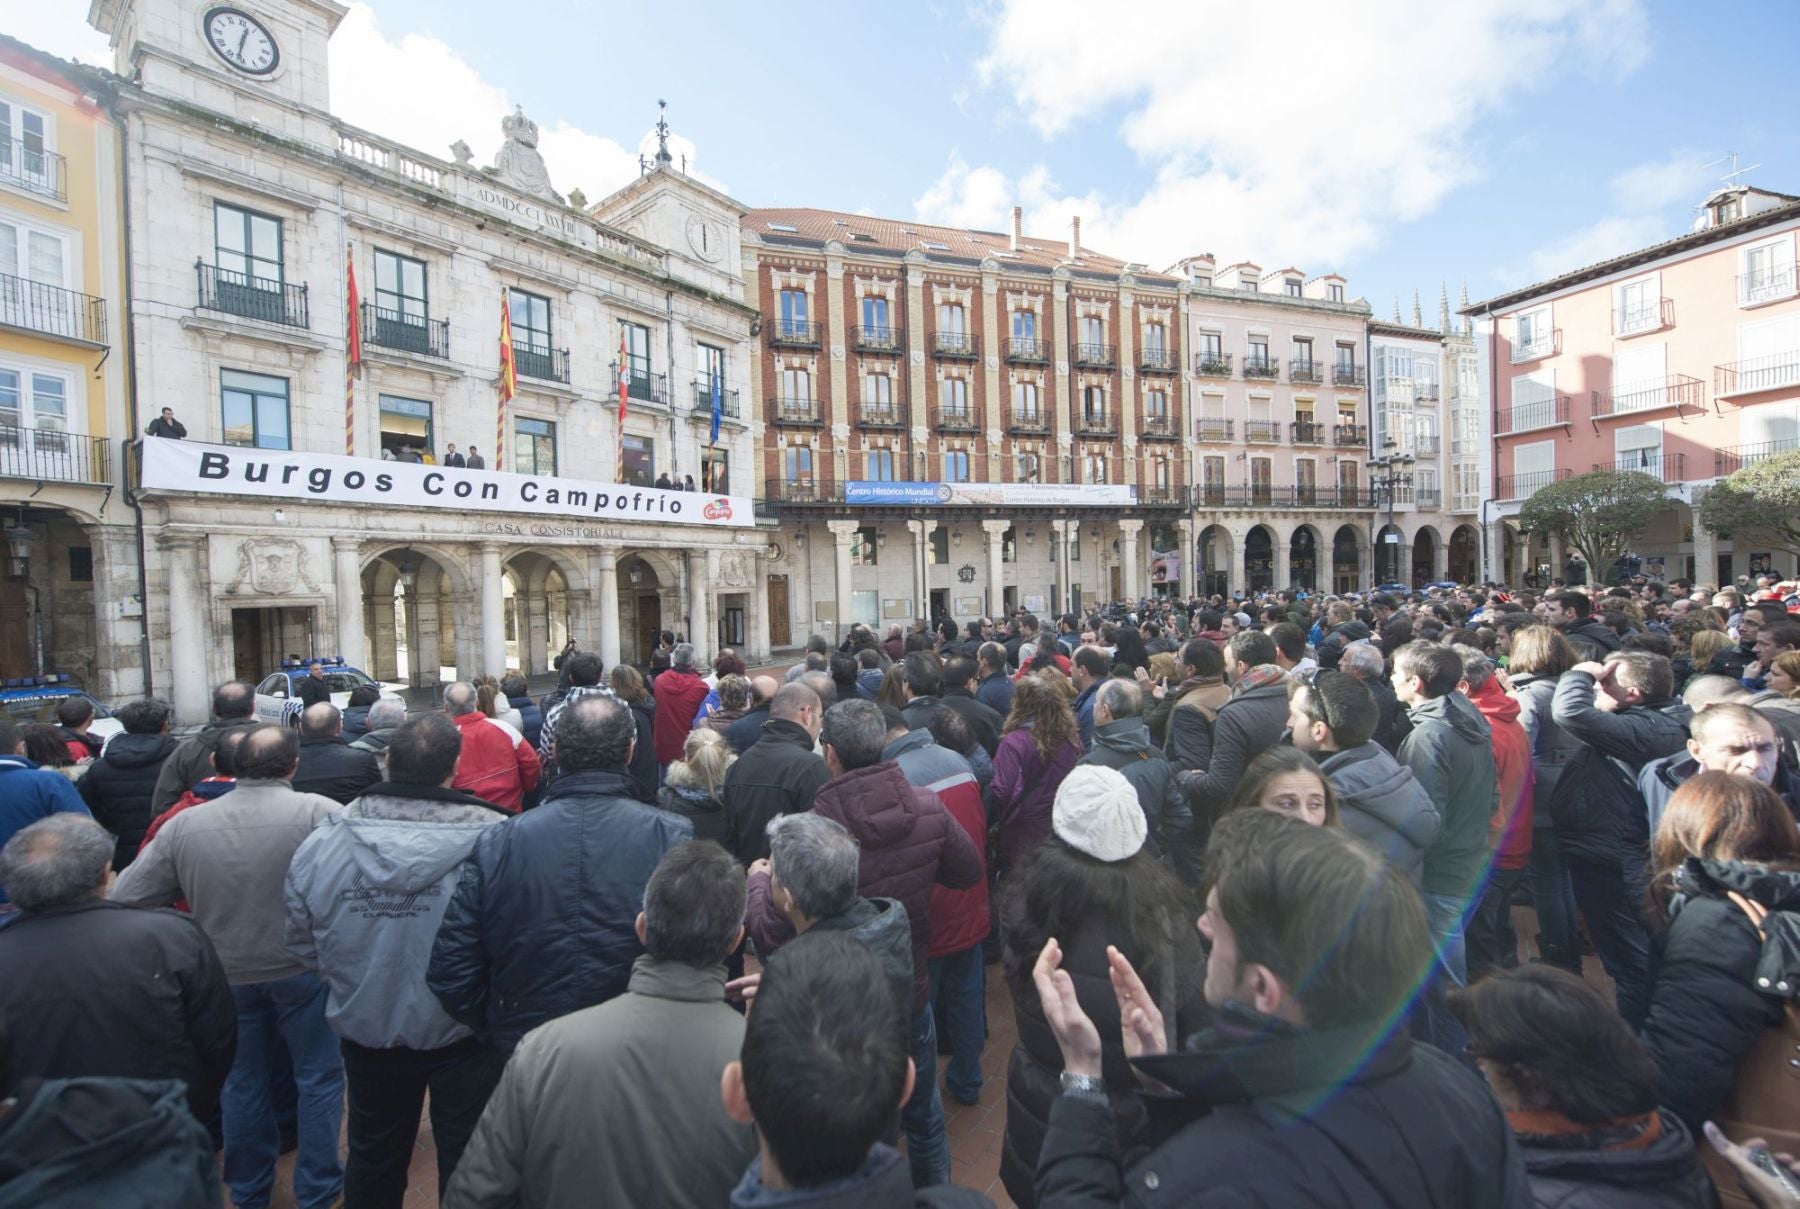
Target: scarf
<point>1258,676</point>
<point>1547,1129</point>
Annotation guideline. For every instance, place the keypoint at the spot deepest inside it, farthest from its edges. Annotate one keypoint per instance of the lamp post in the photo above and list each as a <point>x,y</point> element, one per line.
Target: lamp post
<point>1395,469</point>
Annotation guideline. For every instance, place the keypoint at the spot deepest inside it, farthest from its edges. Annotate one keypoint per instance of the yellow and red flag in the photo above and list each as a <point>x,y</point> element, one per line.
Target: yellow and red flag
<point>509,378</point>
<point>624,395</point>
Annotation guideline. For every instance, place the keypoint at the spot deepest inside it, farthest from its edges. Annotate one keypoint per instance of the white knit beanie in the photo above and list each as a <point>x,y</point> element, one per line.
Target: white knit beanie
<point>1097,812</point>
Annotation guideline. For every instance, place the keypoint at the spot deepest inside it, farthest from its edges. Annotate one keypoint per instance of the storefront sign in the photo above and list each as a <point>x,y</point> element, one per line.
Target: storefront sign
<point>993,495</point>
<point>183,466</point>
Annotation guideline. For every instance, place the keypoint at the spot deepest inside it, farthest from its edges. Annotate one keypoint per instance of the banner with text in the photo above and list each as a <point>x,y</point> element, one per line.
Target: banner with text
<point>992,495</point>
<point>170,465</point>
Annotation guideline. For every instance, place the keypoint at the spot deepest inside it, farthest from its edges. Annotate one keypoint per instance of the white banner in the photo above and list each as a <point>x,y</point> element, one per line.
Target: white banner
<point>170,465</point>
<point>991,495</point>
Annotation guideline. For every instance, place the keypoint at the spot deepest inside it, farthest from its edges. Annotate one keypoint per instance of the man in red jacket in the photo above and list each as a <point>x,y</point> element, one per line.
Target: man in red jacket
<point>497,765</point>
<point>680,691</point>
<point>1491,940</point>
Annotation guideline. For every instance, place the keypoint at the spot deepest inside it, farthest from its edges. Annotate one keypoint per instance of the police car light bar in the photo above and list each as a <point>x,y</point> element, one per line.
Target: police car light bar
<point>36,681</point>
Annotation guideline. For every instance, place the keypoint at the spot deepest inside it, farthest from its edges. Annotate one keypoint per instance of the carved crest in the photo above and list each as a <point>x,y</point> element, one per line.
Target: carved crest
<point>271,566</point>
<point>518,161</point>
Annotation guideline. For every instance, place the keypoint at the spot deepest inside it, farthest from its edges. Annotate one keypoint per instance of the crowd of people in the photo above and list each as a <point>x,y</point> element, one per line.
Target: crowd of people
<point>683,935</point>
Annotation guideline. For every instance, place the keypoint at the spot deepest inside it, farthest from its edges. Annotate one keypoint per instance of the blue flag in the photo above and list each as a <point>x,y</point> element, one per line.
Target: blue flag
<point>718,405</point>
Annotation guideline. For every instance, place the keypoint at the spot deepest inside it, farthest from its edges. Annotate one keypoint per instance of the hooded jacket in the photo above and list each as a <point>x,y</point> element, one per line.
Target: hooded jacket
<point>531,718</point>
<point>883,1182</point>
<point>191,761</point>
<point>72,1143</point>
<point>1194,708</point>
<point>1666,1174</point>
<point>1509,831</point>
<point>881,926</point>
<point>959,918</point>
<point>1593,638</point>
<point>119,786</point>
<point>1248,724</point>
<point>1552,747</point>
<point>365,895</point>
<point>643,756</point>
<point>1331,647</point>
<point>1393,725</point>
<point>679,692</point>
<point>868,682</point>
<point>496,765</point>
<point>779,774</point>
<point>1124,746</point>
<point>1658,781</point>
<point>1450,751</point>
<point>1598,811</point>
<point>1383,804</point>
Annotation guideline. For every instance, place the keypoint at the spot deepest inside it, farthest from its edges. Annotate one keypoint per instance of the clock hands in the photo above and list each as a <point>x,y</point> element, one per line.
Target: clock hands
<point>243,39</point>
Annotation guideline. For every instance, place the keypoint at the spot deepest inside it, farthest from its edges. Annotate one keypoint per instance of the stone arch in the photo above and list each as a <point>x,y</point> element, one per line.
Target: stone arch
<point>1426,545</point>
<point>1347,549</point>
<point>1389,541</point>
<point>413,596</point>
<point>541,601</point>
<point>649,601</point>
<point>1214,560</point>
<point>1307,557</point>
<point>1259,557</point>
<point>1464,554</point>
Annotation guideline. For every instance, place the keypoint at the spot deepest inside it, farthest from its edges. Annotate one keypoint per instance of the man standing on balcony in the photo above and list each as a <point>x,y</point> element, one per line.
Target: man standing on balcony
<point>453,458</point>
<point>166,425</point>
<point>475,461</point>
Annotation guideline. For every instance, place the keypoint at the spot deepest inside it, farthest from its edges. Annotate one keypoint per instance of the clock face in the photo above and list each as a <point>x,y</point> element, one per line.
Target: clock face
<point>242,41</point>
<point>706,238</point>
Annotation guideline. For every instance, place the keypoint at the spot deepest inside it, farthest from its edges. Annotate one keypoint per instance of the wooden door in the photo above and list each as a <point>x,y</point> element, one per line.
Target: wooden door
<point>15,630</point>
<point>247,644</point>
<point>779,633</point>
<point>649,612</point>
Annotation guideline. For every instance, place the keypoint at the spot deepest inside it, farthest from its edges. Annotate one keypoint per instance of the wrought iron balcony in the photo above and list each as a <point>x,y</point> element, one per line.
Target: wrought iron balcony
<point>1637,318</point>
<point>420,335</point>
<point>1674,390</point>
<point>251,297</point>
<point>47,456</point>
<point>545,364</point>
<point>1306,432</point>
<point>797,411</point>
<point>1747,377</point>
<point>33,169</point>
<point>955,419</point>
<point>1097,424</point>
<point>1529,417</point>
<point>1208,428</point>
<point>1097,356</point>
<point>1542,345</point>
<point>880,339</point>
<point>1429,497</point>
<point>1159,428</point>
<point>1159,361</point>
<point>1023,350</point>
<point>1766,285</point>
<point>1267,495</point>
<point>728,401</point>
<point>1523,486</point>
<point>795,491</point>
<point>646,386</point>
<point>1305,369</point>
<point>1262,432</point>
<point>1427,445</point>
<point>1426,392</point>
<point>1350,436</point>
<point>962,345</point>
<point>1213,365</point>
<point>879,413</point>
<point>1025,420</point>
<point>1261,367</point>
<point>1734,458</point>
<point>1669,467</point>
<point>1349,375</point>
<point>52,310</point>
<point>793,333</point>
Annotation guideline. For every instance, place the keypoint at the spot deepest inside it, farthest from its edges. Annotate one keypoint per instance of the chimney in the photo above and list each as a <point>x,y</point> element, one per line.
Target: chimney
<point>1075,237</point>
<point>1018,226</point>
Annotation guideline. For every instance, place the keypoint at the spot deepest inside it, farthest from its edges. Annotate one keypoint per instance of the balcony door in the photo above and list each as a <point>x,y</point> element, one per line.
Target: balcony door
<point>34,425</point>
<point>34,280</point>
<point>402,306</point>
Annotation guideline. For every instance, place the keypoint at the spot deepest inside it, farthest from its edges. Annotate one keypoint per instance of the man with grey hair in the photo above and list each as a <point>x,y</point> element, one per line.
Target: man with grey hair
<point>816,644</point>
<point>680,692</point>
<point>111,990</point>
<point>497,765</point>
<point>540,924</point>
<point>384,718</point>
<point>1365,661</point>
<point>1122,743</point>
<point>328,764</point>
<point>574,1120</point>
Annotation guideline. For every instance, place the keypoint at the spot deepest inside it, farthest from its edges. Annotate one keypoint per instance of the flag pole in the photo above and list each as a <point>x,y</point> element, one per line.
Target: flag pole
<point>352,349</point>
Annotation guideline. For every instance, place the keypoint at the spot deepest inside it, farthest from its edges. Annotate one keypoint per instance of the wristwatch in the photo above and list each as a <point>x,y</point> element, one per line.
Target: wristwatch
<point>1084,1087</point>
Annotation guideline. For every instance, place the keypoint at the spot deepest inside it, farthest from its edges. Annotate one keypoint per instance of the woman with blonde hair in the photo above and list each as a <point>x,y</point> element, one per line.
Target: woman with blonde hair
<point>734,702</point>
<point>1705,645</point>
<point>1039,744</point>
<point>1538,656</point>
<point>1784,675</point>
<point>628,686</point>
<point>695,786</point>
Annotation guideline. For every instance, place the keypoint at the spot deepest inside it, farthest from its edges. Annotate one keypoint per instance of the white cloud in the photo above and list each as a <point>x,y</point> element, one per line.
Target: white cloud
<point>1296,132</point>
<point>60,29</point>
<point>1650,203</point>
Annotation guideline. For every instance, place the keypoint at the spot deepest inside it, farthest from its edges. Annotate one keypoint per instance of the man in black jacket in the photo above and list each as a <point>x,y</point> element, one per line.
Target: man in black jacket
<point>1341,629</point>
<point>959,695</point>
<point>924,676</point>
<point>328,765</point>
<point>1122,743</point>
<point>166,425</point>
<point>779,775</point>
<point>312,688</point>
<point>112,990</point>
<point>119,786</point>
<point>1310,1092</point>
<point>1365,661</point>
<point>1571,612</point>
<point>233,707</point>
<point>1248,724</point>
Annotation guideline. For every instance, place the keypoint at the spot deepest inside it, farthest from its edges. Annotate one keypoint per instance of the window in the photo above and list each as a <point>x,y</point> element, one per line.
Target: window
<point>1212,478</point>
<point>1262,480</point>
<point>1094,468</point>
<point>956,465</point>
<point>1427,433</point>
<point>1203,280</point>
<point>715,471</point>
<point>34,410</point>
<point>1637,305</point>
<point>1639,447</point>
<point>1212,348</point>
<point>864,547</point>
<point>1347,474</point>
<point>1259,350</point>
<point>534,446</point>
<point>1726,211</point>
<point>23,143</point>
<point>1025,404</point>
<point>881,465</point>
<point>940,546</point>
<point>400,289</point>
<point>1159,472</point>
<point>1093,330</point>
<point>793,314</point>
<point>1425,481</point>
<point>1009,545</point>
<point>1024,325</point>
<point>875,312</point>
<point>797,464</point>
<point>37,256</point>
<point>1534,402</point>
<point>1306,480</point>
<point>1767,272</point>
<point>711,360</point>
<point>1303,353</point>
<point>1334,293</point>
<point>1295,287</point>
<point>952,320</point>
<point>1029,468</point>
<point>254,409</point>
<point>637,359</point>
<point>1534,466</point>
<point>405,426</point>
<point>1531,337</point>
<point>640,460</point>
<point>1640,377</point>
<point>81,564</point>
<point>953,398</point>
<point>530,321</point>
<point>1156,340</point>
<point>247,244</point>
<point>1346,357</point>
<point>1093,404</point>
<point>796,386</point>
<point>878,394</point>
<point>1156,406</point>
<point>1768,356</point>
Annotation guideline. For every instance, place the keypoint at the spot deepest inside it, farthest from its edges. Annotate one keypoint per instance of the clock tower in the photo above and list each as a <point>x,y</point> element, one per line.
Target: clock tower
<point>263,62</point>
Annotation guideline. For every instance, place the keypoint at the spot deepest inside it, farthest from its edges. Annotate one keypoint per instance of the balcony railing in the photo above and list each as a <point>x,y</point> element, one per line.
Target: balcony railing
<point>1213,365</point>
<point>1426,392</point>
<point>1261,367</point>
<point>1097,356</point>
<point>1266,495</point>
<point>1027,349</point>
<point>1465,502</point>
<point>251,297</point>
<point>728,401</point>
<point>1097,424</point>
<point>1634,319</point>
<point>1306,432</point>
<point>52,310</point>
<point>1522,486</point>
<point>880,339</point>
<point>1529,417</point>
<point>1158,361</point>
<point>1262,432</point>
<point>396,330</point>
<point>649,387</point>
<point>1669,467</point>
<point>1159,428</point>
<point>1771,372</point>
<point>1428,445</point>
<point>1350,436</point>
<point>797,411</point>
<point>1349,375</point>
<point>33,169</point>
<point>1305,369</point>
<point>795,491</point>
<point>1766,285</point>
<point>1428,497</point>
<point>1538,347</point>
<point>794,333</point>
<point>47,456</point>
<point>1027,420</point>
<point>544,364</point>
<point>955,419</point>
<point>879,413</point>
<point>956,344</point>
<point>1734,458</point>
<point>1675,390</point>
<point>1209,428</point>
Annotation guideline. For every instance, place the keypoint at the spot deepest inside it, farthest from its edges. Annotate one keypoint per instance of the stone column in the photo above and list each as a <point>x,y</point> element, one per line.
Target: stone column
<point>1190,556</point>
<point>1284,559</point>
<point>995,532</point>
<point>347,562</point>
<point>493,614</point>
<point>1706,556</point>
<point>1071,533</point>
<point>190,639</point>
<point>1440,561</point>
<point>603,591</point>
<point>757,621</point>
<point>1365,564</point>
<point>843,532</point>
<point>1559,557</point>
<point>700,605</point>
<point>1129,532</point>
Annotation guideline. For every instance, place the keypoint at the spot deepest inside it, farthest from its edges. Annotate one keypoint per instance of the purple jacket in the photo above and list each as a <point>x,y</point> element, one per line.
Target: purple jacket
<point>1024,790</point>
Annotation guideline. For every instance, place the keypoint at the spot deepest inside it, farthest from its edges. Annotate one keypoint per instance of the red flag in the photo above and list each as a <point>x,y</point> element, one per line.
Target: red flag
<point>352,311</point>
<point>509,373</point>
<point>624,394</point>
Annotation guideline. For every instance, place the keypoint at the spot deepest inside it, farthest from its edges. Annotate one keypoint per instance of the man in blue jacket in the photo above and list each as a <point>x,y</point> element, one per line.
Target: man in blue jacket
<point>28,793</point>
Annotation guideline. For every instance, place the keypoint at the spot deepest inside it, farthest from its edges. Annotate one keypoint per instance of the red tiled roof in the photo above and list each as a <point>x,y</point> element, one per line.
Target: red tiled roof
<point>896,235</point>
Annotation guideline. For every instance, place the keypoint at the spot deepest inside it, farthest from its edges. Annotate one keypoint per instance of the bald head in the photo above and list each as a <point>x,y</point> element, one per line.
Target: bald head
<point>765,687</point>
<point>321,721</point>
<point>799,704</point>
<point>460,698</point>
<point>268,753</point>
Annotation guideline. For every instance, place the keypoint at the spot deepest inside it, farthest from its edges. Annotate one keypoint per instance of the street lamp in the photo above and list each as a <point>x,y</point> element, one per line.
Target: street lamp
<point>1396,469</point>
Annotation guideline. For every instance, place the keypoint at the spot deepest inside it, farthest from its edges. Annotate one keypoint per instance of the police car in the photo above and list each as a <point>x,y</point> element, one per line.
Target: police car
<point>278,696</point>
<point>30,699</point>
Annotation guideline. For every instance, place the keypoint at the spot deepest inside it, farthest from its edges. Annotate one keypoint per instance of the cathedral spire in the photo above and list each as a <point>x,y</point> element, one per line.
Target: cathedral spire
<point>1418,315</point>
<point>663,158</point>
<point>1444,307</point>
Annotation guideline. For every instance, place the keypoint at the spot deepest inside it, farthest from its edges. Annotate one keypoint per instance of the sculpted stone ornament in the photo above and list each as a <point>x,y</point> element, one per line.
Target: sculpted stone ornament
<point>461,151</point>
<point>518,161</point>
<point>271,566</point>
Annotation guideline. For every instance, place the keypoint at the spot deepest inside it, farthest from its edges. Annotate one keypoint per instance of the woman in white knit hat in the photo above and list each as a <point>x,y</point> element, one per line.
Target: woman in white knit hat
<point>1091,884</point>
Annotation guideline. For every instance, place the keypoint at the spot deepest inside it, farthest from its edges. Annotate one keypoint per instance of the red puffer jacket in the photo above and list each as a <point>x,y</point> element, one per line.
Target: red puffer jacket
<point>679,693</point>
<point>496,765</point>
<point>1509,831</point>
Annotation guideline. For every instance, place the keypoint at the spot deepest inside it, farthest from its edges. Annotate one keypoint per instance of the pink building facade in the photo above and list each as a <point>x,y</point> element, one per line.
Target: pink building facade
<point>1681,360</point>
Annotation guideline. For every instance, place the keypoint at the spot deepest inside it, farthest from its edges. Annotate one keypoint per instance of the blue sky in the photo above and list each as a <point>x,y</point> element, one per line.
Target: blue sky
<point>1401,144</point>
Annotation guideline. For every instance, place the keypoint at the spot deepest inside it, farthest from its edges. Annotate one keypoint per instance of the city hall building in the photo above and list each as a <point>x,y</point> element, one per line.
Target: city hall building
<point>312,508</point>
